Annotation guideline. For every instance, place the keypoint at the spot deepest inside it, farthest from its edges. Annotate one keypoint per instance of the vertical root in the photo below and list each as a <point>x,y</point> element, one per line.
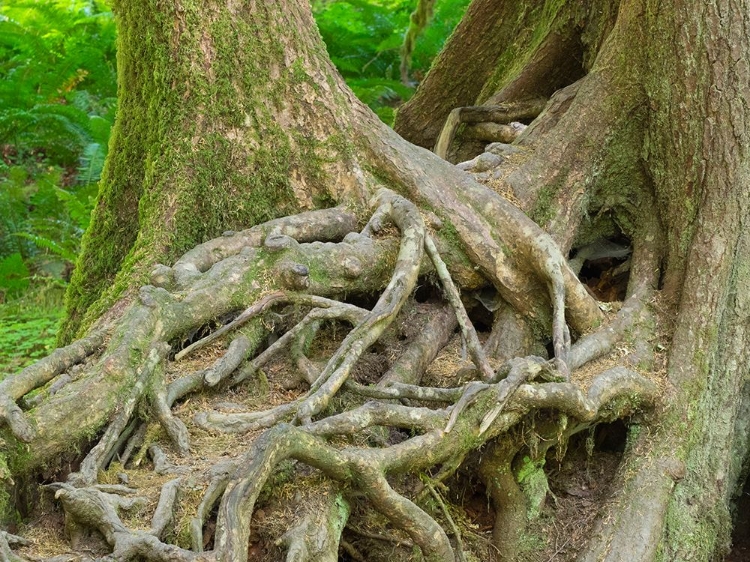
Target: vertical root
<point>508,500</point>
<point>403,281</point>
<point>454,528</point>
<point>220,477</point>
<point>467,328</point>
<point>94,461</point>
<point>560,330</point>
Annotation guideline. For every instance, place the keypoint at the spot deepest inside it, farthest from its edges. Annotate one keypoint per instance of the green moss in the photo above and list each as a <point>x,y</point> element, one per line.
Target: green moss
<point>7,509</point>
<point>533,482</point>
<point>546,205</point>
<point>284,473</point>
<point>530,543</point>
<point>197,148</point>
<point>533,26</point>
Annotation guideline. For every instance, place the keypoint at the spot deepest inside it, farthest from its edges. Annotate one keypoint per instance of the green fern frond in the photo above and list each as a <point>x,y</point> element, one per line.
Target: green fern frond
<point>50,245</point>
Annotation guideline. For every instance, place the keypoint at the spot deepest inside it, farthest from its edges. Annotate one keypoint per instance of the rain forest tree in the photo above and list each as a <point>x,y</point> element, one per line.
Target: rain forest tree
<point>270,272</point>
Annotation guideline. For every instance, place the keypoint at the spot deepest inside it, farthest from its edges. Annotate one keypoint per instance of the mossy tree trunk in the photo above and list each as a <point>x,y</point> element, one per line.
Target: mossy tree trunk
<point>656,131</point>
<point>231,116</point>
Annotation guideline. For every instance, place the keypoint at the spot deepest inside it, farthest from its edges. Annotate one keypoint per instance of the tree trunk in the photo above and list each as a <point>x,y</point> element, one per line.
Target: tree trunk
<point>232,116</point>
<point>224,123</point>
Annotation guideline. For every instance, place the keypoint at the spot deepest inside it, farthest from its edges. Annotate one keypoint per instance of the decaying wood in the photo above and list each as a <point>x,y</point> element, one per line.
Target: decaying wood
<point>496,114</point>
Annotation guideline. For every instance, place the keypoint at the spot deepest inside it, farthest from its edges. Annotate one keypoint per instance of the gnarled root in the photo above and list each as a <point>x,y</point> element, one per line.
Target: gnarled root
<point>281,266</point>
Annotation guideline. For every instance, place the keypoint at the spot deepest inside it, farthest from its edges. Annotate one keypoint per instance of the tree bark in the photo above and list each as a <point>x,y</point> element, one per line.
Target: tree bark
<point>642,141</point>
<point>225,122</point>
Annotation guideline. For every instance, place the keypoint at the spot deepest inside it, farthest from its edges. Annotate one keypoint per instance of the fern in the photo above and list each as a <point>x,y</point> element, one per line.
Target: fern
<point>91,163</point>
<point>50,53</point>
<point>57,104</point>
<point>364,40</point>
<point>14,275</point>
<point>50,245</point>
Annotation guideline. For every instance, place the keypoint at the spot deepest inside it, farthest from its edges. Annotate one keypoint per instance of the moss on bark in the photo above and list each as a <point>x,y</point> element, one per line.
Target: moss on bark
<point>208,138</point>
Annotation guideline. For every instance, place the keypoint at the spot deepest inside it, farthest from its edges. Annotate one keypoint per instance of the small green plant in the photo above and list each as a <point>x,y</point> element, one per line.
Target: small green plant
<point>57,103</point>
<point>365,38</point>
<point>28,325</point>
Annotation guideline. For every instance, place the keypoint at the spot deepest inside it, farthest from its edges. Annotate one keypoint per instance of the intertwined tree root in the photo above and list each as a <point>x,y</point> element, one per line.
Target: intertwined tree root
<point>312,261</point>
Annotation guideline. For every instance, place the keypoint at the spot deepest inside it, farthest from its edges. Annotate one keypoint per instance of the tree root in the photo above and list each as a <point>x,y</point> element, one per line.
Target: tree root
<point>318,533</point>
<point>433,335</point>
<point>467,329</point>
<point>37,375</point>
<point>222,277</point>
<point>454,528</point>
<point>365,468</point>
<point>164,512</point>
<point>6,541</point>
<point>504,113</point>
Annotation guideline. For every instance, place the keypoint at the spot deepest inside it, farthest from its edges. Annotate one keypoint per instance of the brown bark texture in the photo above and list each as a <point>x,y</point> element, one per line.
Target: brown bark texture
<point>339,376</point>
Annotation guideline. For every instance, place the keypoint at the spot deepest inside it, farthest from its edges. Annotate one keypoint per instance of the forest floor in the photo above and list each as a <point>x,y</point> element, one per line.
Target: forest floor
<point>579,482</point>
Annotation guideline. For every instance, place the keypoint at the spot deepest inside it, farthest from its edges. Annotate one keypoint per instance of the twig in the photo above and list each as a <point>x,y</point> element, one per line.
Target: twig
<point>451,522</point>
<point>387,538</point>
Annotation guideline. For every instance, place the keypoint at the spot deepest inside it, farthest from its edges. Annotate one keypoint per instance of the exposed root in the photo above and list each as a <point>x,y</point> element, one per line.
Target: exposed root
<point>256,309</point>
<point>400,391</point>
<point>6,541</point>
<point>366,468</point>
<point>301,274</point>
<point>94,461</point>
<point>318,533</point>
<point>94,509</point>
<point>454,528</point>
<point>504,113</point>
<point>432,336</point>
<point>164,512</point>
<point>467,329</point>
<point>321,225</point>
<point>334,311</point>
<point>220,478</point>
<point>40,373</point>
<point>508,500</point>
<point>378,413</point>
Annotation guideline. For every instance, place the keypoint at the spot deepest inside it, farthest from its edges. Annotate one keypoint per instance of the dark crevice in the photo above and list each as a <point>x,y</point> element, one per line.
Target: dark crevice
<point>741,533</point>
<point>427,292</point>
<point>604,267</point>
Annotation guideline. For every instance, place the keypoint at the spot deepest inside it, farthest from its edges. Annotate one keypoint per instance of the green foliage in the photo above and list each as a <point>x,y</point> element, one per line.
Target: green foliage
<point>364,40</point>
<point>28,326</point>
<point>57,78</point>
<point>41,225</point>
<point>14,276</point>
<point>57,103</point>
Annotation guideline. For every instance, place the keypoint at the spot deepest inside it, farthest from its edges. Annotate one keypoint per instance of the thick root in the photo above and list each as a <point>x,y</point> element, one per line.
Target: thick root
<point>222,277</point>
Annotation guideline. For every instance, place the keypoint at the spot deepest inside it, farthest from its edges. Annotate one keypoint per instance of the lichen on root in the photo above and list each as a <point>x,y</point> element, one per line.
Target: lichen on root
<point>311,262</point>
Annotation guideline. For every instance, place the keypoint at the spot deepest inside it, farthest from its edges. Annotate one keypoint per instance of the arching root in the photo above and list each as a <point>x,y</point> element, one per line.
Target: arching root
<point>37,375</point>
<point>499,114</point>
<point>318,276</point>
